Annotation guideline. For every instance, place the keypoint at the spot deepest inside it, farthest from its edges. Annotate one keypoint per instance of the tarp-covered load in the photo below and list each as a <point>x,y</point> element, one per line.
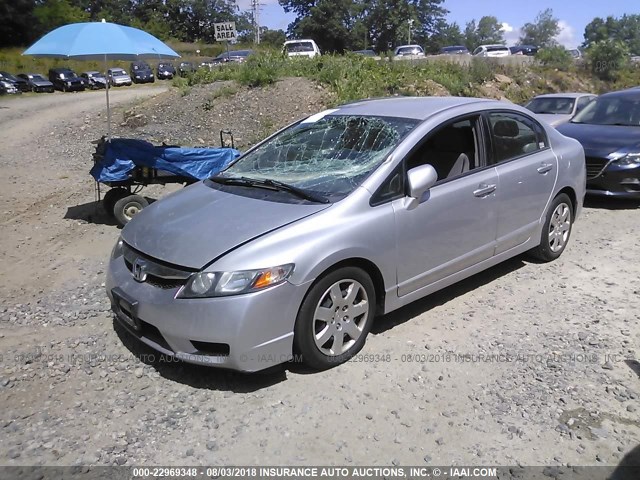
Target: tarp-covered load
<point>116,160</point>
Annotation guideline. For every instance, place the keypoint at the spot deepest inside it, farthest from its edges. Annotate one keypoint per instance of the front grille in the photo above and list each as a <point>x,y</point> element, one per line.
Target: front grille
<point>158,273</point>
<point>595,165</point>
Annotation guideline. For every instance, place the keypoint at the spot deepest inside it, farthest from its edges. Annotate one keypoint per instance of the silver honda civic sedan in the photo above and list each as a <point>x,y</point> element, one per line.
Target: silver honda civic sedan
<point>296,247</point>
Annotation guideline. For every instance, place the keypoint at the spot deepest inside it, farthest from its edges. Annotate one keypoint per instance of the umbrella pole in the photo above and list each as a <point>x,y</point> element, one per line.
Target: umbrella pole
<point>106,74</point>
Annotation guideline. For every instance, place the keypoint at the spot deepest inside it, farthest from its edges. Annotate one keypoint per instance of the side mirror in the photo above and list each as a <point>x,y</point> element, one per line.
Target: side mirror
<point>420,179</point>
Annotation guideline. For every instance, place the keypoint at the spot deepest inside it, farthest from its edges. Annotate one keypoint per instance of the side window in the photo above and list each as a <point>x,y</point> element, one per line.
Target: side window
<point>452,149</point>
<point>583,102</point>
<point>477,51</point>
<point>392,188</point>
<point>514,135</point>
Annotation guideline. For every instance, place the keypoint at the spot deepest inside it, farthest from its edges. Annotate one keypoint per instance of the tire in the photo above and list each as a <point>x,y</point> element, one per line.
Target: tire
<point>328,315</point>
<point>126,208</point>
<point>111,197</point>
<point>556,230</point>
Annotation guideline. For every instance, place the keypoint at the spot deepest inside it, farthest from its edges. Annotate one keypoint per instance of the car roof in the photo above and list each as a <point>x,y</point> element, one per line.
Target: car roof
<point>565,95</point>
<point>419,108</point>
<point>630,93</point>
<point>493,45</point>
<point>92,72</point>
<point>408,46</point>
<point>299,40</point>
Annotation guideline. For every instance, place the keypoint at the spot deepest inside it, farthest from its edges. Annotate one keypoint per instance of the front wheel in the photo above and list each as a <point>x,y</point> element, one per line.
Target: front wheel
<point>335,318</point>
<point>128,207</point>
<point>556,230</point>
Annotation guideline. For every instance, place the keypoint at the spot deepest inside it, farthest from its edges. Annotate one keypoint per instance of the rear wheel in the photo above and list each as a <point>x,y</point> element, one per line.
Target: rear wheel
<point>335,318</point>
<point>556,230</point>
<point>111,197</point>
<point>128,207</point>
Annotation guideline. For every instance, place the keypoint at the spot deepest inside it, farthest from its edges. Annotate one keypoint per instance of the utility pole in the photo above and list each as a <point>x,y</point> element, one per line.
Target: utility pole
<point>410,22</point>
<point>255,10</point>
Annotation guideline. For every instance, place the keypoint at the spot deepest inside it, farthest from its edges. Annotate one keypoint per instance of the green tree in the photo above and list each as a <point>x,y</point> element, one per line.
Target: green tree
<point>330,23</point>
<point>274,38</point>
<point>487,31</point>
<point>447,34</point>
<point>51,14</point>
<point>625,29</point>
<point>542,31</point>
<point>607,58</point>
<point>16,18</point>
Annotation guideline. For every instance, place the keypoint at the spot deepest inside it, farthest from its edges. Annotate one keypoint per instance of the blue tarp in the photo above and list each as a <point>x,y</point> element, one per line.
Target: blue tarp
<point>122,155</point>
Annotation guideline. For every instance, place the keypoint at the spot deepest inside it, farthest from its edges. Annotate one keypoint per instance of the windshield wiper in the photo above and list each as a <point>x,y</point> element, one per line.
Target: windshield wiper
<point>270,185</point>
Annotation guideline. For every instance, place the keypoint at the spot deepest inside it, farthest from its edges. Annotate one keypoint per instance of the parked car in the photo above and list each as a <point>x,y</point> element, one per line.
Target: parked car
<point>7,87</point>
<point>409,50</point>
<point>301,48</point>
<point>558,108</point>
<point>94,80</point>
<point>118,77</point>
<point>20,83</point>
<point>609,131</point>
<point>66,80</point>
<point>575,53</point>
<point>37,82</point>
<point>140,72</point>
<point>186,68</point>
<point>528,50</point>
<point>165,71</point>
<point>492,51</point>
<point>235,56</point>
<point>454,50</point>
<point>348,214</point>
<point>365,53</point>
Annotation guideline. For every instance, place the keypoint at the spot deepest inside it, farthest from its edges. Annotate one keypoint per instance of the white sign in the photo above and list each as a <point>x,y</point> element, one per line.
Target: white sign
<point>225,31</point>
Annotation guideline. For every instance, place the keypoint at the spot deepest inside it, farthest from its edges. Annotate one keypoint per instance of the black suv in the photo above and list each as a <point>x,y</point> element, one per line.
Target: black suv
<point>141,72</point>
<point>66,80</point>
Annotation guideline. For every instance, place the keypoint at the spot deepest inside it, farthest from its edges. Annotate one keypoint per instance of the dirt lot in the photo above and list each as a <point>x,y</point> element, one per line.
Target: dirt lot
<point>524,364</point>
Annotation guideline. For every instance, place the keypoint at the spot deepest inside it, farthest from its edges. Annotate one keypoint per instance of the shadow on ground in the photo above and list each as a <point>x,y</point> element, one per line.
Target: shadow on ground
<point>197,376</point>
<point>93,212</point>
<point>456,290</point>
<point>606,203</point>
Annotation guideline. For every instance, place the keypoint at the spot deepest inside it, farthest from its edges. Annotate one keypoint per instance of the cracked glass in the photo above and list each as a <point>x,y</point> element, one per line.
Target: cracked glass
<point>325,154</point>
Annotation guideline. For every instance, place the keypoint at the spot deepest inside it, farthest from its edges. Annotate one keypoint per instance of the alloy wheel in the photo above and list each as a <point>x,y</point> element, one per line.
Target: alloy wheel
<point>559,227</point>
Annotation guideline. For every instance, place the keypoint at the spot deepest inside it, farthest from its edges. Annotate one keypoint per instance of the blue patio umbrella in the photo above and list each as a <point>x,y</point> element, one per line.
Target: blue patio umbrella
<point>100,41</point>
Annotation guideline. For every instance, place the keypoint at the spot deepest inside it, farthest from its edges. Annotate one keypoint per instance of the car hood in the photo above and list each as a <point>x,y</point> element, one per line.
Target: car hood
<point>554,119</point>
<point>603,140</point>
<point>41,82</point>
<point>196,225</point>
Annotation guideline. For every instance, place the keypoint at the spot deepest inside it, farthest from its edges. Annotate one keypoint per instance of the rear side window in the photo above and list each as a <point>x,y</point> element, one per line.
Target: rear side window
<point>514,135</point>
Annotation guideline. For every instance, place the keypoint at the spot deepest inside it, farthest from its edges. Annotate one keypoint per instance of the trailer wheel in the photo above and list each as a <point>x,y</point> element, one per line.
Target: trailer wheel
<point>111,197</point>
<point>128,207</point>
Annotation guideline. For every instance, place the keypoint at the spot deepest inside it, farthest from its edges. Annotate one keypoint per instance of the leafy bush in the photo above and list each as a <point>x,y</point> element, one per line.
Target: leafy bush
<point>555,57</point>
<point>608,58</point>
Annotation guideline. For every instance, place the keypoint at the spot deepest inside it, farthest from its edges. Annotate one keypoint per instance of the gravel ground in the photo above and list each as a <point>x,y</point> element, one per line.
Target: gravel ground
<point>525,364</point>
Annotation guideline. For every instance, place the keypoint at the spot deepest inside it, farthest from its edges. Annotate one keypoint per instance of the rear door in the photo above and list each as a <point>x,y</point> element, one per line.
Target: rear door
<point>527,170</point>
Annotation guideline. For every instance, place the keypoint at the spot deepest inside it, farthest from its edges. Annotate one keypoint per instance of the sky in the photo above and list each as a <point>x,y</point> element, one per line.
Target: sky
<point>574,15</point>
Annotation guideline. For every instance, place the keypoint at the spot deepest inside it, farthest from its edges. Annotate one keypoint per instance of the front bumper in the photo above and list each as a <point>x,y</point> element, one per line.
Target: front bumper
<point>243,332</point>
<point>615,180</point>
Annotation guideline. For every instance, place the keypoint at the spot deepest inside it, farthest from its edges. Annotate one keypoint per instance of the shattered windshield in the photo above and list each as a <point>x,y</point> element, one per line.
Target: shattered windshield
<point>329,155</point>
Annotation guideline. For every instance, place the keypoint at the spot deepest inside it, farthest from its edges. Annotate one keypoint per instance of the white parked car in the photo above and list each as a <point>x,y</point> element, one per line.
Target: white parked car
<point>559,108</point>
<point>492,51</point>
<point>409,50</point>
<point>301,48</point>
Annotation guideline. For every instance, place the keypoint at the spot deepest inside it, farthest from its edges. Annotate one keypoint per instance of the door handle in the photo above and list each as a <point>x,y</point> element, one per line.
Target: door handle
<point>484,190</point>
<point>544,168</point>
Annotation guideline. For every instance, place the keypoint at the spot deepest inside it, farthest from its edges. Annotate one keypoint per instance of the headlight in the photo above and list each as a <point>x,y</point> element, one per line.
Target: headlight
<point>629,159</point>
<point>117,249</point>
<point>220,284</point>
